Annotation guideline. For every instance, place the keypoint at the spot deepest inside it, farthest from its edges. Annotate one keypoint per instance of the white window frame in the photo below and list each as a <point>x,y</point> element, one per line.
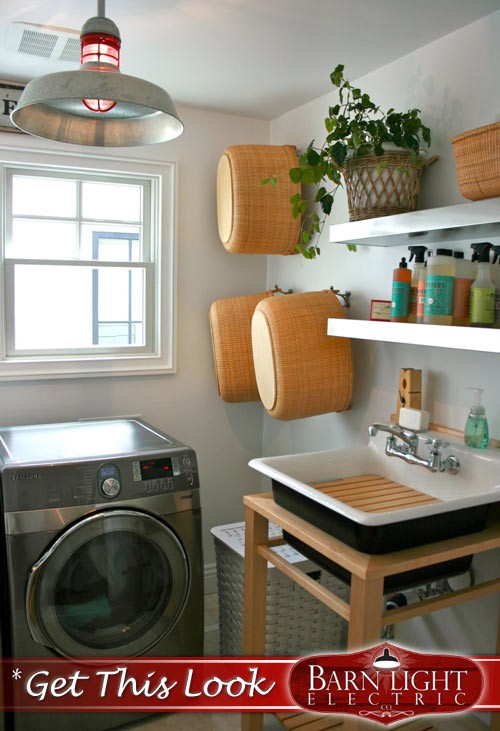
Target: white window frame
<point>158,356</point>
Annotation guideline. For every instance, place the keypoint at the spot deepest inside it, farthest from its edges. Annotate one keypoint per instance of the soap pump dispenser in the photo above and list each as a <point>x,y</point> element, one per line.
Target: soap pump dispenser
<point>476,429</point>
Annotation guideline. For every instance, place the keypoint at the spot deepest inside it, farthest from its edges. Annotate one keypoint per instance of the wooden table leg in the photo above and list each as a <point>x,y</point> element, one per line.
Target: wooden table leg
<point>254,601</point>
<point>365,625</point>
<point>365,621</point>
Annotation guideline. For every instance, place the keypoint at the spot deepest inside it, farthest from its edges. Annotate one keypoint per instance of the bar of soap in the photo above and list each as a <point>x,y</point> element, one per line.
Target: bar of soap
<point>414,419</point>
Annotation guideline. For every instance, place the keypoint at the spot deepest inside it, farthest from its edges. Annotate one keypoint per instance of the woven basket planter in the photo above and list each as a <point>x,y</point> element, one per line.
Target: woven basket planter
<point>254,218</point>
<point>300,370</point>
<point>477,160</point>
<point>382,185</point>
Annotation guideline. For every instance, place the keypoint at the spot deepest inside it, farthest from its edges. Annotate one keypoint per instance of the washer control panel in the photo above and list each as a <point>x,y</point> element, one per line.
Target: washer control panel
<point>153,475</point>
<point>162,475</point>
<point>108,479</point>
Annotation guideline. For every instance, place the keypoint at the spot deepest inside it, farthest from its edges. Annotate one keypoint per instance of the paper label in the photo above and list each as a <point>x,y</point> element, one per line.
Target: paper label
<point>400,305</point>
<point>438,295</point>
<point>417,299</point>
<point>482,305</point>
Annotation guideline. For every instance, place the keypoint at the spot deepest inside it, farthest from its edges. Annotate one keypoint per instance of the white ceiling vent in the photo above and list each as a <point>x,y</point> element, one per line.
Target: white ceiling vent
<point>44,41</point>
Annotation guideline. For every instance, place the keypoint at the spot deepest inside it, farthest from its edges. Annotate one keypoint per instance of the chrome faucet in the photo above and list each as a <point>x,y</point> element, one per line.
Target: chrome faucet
<point>408,450</point>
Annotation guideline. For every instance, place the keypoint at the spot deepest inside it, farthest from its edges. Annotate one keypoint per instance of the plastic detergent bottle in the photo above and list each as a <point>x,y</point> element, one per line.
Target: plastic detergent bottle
<point>476,429</point>
<point>495,276</point>
<point>439,283</point>
<point>464,276</point>
<point>482,298</point>
<point>417,291</point>
<point>401,285</point>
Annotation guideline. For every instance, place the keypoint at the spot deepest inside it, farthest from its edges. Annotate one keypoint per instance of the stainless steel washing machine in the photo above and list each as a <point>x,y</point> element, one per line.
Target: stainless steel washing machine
<point>102,549</point>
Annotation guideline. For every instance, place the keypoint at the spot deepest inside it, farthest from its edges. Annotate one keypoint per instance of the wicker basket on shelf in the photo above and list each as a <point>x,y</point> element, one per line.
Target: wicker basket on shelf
<point>382,185</point>
<point>477,160</point>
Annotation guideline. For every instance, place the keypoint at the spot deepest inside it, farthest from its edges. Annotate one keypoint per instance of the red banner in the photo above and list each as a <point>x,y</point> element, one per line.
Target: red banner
<point>148,684</point>
<point>367,684</point>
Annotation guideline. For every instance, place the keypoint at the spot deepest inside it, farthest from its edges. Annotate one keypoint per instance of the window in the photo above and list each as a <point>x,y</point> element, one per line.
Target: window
<point>127,331</point>
<point>87,262</point>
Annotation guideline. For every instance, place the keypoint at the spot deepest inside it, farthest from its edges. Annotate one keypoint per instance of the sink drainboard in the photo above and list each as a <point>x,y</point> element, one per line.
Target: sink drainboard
<point>374,494</point>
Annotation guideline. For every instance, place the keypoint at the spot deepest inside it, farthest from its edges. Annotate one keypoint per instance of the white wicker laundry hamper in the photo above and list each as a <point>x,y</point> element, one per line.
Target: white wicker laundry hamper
<point>296,622</point>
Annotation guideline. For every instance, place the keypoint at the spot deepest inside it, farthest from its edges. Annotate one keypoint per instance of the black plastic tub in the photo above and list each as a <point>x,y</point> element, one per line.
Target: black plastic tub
<point>378,539</point>
<point>396,582</point>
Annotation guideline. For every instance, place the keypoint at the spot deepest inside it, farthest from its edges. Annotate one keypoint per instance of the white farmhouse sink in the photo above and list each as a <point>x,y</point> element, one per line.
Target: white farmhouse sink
<point>463,497</point>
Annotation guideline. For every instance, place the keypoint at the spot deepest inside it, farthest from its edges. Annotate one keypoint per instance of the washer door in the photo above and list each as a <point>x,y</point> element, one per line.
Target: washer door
<point>113,583</point>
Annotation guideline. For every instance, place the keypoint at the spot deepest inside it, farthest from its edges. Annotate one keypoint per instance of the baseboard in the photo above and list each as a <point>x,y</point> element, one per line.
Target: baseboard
<point>210,578</point>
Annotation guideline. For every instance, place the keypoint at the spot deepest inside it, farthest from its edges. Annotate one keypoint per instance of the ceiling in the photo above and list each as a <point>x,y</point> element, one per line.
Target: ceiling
<point>252,57</point>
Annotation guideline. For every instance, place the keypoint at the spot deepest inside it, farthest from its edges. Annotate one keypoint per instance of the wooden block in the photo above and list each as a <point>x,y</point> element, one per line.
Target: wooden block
<point>409,391</point>
<point>410,380</point>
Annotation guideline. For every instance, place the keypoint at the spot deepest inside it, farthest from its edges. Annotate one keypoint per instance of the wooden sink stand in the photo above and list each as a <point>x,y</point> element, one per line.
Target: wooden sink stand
<point>368,572</point>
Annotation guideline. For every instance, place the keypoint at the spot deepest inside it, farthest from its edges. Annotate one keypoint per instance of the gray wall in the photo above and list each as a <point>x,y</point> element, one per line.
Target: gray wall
<point>186,404</point>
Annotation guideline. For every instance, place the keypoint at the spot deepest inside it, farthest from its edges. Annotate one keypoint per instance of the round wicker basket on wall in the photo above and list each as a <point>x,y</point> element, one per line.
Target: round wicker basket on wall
<point>254,218</point>
<point>477,160</point>
<point>230,323</point>
<point>382,185</point>
<point>300,370</point>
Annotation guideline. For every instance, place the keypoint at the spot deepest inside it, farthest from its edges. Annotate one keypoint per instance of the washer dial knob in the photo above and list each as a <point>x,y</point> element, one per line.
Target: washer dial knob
<point>110,487</point>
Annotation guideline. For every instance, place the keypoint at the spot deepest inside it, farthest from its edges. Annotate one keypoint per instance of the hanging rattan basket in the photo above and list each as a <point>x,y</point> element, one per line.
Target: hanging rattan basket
<point>477,160</point>
<point>230,323</point>
<point>382,185</point>
<point>300,370</point>
<point>254,218</point>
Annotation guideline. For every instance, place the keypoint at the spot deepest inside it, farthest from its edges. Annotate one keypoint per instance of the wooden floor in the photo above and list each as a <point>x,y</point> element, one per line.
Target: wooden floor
<point>320,722</point>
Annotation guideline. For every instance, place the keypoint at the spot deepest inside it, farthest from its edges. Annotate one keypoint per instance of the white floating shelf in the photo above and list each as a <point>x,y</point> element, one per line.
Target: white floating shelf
<point>466,221</point>
<point>483,340</point>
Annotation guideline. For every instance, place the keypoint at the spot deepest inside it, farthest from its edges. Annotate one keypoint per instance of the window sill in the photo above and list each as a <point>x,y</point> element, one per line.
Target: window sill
<point>43,369</point>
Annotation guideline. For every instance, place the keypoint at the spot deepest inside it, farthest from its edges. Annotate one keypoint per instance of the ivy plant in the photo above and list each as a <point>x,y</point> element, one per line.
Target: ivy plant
<point>355,126</point>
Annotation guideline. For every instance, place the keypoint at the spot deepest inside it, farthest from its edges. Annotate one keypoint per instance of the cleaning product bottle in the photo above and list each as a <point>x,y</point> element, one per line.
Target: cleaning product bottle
<point>417,291</point>
<point>464,276</point>
<point>474,258</point>
<point>439,283</point>
<point>476,429</point>
<point>401,285</point>
<point>495,272</point>
<point>482,298</point>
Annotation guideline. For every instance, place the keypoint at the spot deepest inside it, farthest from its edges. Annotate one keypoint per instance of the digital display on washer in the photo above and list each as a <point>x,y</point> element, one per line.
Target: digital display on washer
<point>152,469</point>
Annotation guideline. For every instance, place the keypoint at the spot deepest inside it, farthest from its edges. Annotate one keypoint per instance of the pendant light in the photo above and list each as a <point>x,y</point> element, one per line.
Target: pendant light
<point>97,105</point>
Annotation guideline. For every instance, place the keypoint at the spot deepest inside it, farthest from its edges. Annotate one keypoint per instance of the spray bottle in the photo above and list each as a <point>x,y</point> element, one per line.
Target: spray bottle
<point>417,292</point>
<point>464,276</point>
<point>495,275</point>
<point>482,293</point>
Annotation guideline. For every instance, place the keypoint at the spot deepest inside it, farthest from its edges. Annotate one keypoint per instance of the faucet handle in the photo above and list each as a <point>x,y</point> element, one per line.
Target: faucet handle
<point>437,443</point>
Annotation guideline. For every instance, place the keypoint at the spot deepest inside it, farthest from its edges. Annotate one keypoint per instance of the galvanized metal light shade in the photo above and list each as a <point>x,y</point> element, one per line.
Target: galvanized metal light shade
<point>137,112</point>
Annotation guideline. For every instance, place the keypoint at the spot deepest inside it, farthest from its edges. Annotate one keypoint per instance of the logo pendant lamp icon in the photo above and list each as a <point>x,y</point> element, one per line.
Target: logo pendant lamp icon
<point>97,105</point>
<point>386,684</point>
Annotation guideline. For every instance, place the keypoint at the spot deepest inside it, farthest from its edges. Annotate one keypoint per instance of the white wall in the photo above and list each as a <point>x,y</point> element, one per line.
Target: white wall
<point>455,82</point>
<point>186,405</point>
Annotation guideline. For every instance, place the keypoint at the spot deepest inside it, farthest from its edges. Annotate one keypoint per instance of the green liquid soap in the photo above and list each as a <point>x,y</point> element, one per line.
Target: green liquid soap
<point>476,429</point>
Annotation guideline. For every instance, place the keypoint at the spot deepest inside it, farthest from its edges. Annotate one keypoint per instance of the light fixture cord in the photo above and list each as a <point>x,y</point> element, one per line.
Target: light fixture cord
<point>101,9</point>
